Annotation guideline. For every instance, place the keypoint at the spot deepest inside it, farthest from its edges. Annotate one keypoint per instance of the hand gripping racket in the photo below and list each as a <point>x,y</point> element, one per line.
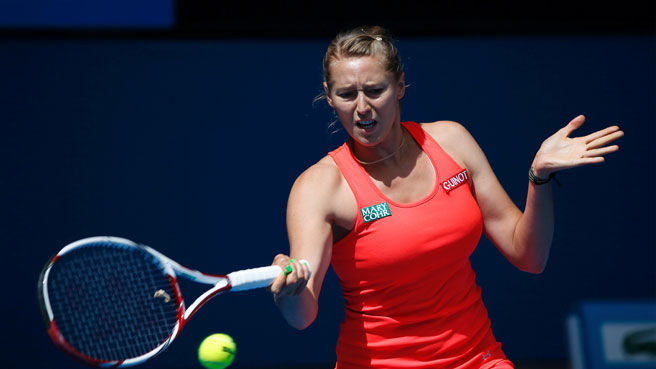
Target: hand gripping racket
<point>113,303</point>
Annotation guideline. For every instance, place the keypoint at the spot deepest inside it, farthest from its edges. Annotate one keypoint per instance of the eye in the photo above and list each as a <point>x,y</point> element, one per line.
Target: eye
<point>347,95</point>
<point>375,91</point>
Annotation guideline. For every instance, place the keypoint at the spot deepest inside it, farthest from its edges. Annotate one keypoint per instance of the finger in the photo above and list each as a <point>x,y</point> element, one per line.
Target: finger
<point>297,269</point>
<point>306,271</point>
<point>574,124</point>
<point>601,133</point>
<point>603,140</point>
<point>291,267</point>
<point>304,275</point>
<point>287,269</point>
<point>601,151</point>
<point>294,285</point>
<point>592,160</point>
<point>294,265</point>
<point>278,285</point>
<point>295,277</point>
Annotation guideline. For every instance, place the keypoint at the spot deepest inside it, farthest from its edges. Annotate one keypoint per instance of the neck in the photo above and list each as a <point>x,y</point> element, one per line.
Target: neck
<point>398,149</point>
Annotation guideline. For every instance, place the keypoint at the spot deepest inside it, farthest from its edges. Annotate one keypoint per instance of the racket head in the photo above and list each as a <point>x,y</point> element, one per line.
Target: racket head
<point>110,302</point>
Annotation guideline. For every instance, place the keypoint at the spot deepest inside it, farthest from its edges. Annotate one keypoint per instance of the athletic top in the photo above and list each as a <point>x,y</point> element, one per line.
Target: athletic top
<point>410,293</point>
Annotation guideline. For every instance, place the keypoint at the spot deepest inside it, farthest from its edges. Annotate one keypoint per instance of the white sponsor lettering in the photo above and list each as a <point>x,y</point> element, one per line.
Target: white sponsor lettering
<point>375,212</point>
<point>455,181</point>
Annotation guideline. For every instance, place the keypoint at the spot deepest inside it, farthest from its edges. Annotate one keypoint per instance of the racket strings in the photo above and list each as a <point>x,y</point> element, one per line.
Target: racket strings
<point>110,303</point>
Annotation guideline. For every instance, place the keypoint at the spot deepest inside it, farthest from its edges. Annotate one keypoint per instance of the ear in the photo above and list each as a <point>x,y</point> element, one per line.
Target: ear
<point>401,86</point>
<point>326,92</point>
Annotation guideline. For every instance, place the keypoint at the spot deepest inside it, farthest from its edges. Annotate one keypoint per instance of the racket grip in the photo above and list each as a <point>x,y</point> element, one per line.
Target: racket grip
<point>249,279</point>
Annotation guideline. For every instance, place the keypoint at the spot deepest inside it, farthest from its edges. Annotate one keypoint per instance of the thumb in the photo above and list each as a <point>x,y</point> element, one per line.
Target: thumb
<point>278,284</point>
<point>574,124</point>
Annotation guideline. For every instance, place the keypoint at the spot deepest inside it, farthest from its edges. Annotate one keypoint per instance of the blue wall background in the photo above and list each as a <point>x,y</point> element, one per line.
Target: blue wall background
<point>191,146</point>
<point>80,14</point>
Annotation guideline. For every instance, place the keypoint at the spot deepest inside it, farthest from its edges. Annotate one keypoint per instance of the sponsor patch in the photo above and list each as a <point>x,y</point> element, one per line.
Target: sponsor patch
<point>375,212</point>
<point>455,181</point>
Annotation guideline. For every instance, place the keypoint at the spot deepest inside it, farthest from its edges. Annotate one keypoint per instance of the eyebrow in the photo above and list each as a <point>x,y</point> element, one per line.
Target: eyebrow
<point>367,85</point>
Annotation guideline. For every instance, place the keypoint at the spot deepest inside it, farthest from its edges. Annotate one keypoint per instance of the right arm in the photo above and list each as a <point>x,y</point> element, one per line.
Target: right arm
<point>311,213</point>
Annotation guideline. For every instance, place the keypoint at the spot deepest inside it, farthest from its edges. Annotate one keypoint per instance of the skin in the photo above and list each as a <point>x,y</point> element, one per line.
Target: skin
<point>322,209</point>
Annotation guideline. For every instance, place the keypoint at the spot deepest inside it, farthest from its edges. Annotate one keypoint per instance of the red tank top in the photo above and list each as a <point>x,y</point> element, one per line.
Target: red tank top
<point>411,299</point>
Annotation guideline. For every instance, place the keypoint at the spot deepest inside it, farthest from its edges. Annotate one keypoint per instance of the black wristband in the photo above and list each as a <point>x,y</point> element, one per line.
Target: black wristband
<point>540,181</point>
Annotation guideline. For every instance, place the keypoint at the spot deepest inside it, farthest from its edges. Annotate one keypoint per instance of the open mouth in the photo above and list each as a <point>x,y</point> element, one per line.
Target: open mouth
<point>365,124</point>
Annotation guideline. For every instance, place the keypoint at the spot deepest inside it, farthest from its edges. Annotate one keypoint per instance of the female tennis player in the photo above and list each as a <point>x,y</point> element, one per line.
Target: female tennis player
<point>397,211</point>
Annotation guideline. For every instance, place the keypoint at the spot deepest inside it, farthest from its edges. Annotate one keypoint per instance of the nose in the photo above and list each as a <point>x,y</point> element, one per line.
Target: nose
<point>363,106</point>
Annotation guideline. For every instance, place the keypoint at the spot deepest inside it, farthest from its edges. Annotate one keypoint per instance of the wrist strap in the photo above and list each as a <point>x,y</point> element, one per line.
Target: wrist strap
<point>540,181</point>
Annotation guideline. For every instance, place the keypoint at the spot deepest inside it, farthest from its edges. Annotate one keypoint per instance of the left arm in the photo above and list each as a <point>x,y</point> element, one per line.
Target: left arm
<point>534,230</point>
<point>524,238</point>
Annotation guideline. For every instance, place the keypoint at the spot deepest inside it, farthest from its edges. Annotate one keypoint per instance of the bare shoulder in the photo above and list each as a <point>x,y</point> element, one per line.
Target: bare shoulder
<point>321,190</point>
<point>446,131</point>
<point>321,184</point>
<point>455,139</point>
<point>322,176</point>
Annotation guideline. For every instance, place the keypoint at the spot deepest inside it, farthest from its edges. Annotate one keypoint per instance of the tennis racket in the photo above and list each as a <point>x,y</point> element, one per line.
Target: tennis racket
<point>113,303</point>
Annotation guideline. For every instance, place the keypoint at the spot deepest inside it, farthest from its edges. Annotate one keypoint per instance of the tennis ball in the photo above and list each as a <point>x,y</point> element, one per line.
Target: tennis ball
<point>217,351</point>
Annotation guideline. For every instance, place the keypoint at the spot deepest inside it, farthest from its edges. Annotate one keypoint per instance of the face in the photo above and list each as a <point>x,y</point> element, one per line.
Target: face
<point>366,98</point>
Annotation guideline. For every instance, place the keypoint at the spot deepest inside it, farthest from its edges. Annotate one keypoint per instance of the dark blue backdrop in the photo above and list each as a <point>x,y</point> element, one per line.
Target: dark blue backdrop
<point>80,14</point>
<point>191,146</point>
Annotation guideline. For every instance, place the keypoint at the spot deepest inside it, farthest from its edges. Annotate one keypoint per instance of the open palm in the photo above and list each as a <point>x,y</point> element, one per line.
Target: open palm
<point>560,151</point>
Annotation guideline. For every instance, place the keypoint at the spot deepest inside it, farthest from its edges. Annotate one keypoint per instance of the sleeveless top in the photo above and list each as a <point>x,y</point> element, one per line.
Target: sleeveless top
<point>411,299</point>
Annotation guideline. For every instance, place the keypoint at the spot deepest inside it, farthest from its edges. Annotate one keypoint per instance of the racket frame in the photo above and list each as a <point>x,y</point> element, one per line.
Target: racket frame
<point>246,279</point>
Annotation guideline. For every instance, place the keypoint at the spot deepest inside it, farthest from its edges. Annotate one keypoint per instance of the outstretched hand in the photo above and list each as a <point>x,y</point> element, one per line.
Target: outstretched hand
<point>560,151</point>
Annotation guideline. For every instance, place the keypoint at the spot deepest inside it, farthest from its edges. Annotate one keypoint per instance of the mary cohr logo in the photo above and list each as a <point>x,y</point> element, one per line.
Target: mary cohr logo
<point>375,212</point>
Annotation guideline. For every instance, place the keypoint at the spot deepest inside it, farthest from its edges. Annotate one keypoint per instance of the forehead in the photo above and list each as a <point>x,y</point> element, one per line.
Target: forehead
<point>361,69</point>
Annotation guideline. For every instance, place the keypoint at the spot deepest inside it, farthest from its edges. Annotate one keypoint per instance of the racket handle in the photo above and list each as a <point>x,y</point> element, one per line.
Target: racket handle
<point>249,279</point>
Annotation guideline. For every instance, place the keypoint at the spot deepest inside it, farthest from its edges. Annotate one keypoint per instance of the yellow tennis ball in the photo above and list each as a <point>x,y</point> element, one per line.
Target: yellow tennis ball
<point>217,351</point>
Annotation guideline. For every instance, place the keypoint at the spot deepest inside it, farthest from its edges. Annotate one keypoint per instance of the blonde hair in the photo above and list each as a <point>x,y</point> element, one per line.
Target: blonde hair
<point>363,41</point>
